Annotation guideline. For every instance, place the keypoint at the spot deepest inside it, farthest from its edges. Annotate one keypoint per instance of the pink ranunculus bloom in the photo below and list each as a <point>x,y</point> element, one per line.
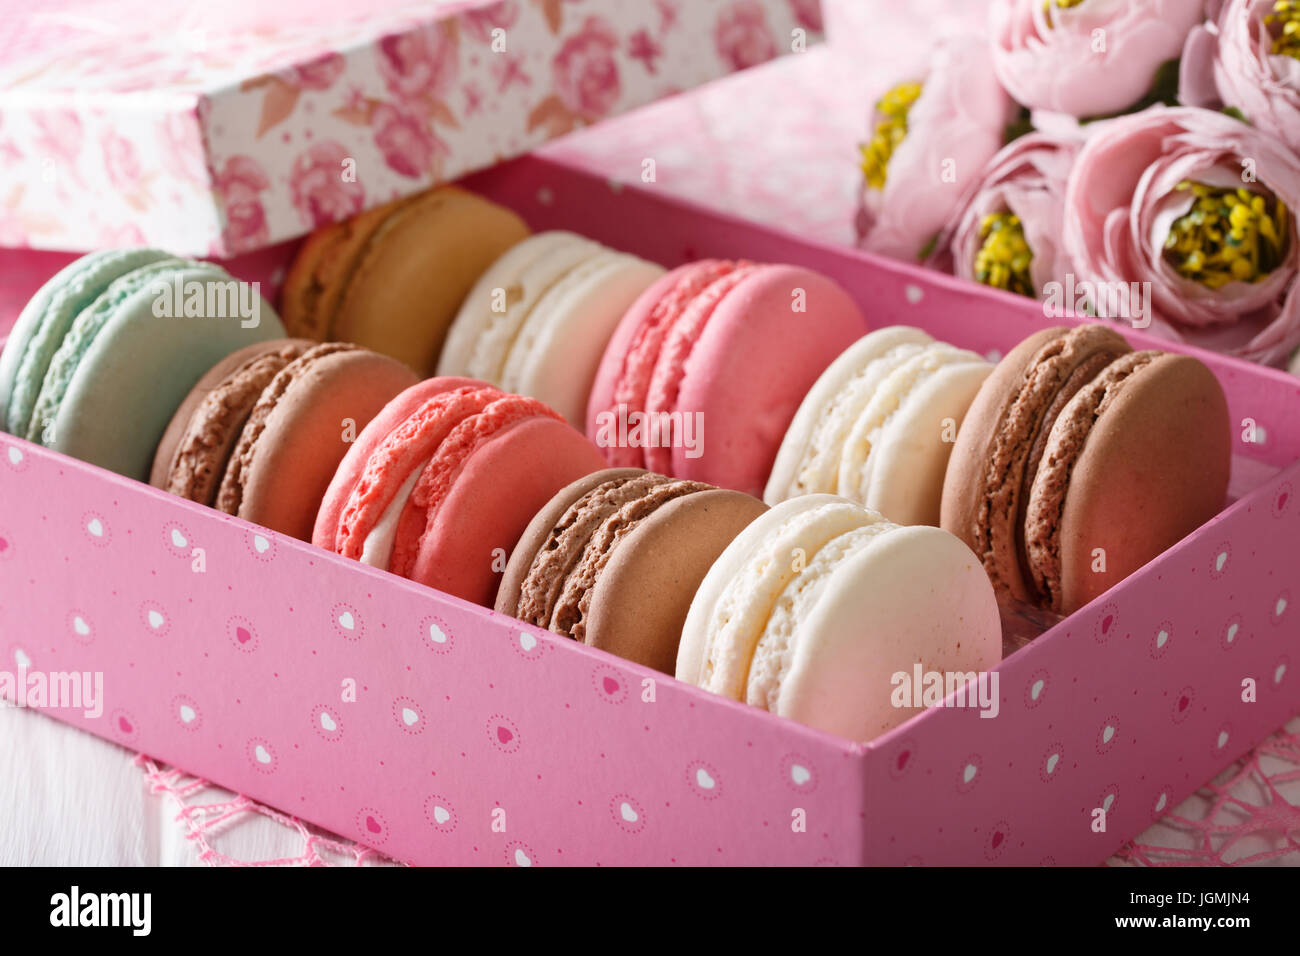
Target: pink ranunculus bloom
<point>406,140</point>
<point>1027,179</point>
<point>1094,59</point>
<point>586,73</point>
<point>1229,62</point>
<point>953,129</point>
<point>240,184</point>
<point>120,161</point>
<point>321,72</point>
<point>1122,201</point>
<point>422,60</point>
<point>742,36</point>
<point>322,190</point>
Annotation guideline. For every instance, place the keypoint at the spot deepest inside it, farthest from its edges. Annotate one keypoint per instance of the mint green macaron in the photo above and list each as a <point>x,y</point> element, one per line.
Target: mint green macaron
<point>105,352</point>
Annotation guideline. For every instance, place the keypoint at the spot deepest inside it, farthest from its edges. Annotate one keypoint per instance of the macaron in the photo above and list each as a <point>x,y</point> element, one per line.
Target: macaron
<point>442,483</point>
<point>879,425</point>
<point>705,372</point>
<point>106,350</point>
<point>537,322</point>
<point>263,431</point>
<point>392,278</point>
<point>1081,460</point>
<point>614,559</point>
<point>815,607</point>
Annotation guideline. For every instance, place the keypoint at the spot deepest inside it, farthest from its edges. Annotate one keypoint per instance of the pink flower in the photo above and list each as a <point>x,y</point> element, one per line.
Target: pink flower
<point>1093,59</point>
<point>322,190</point>
<point>1027,179</point>
<point>742,36</point>
<point>499,16</point>
<point>807,13</point>
<point>320,73</point>
<point>240,185</point>
<point>407,141</point>
<point>120,161</point>
<point>1123,200</point>
<point>1230,62</point>
<point>954,128</point>
<point>586,74</point>
<point>422,61</point>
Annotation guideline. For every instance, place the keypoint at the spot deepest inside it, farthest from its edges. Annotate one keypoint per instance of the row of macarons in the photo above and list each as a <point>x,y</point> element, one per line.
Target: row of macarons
<point>745,376</point>
<point>1074,442</point>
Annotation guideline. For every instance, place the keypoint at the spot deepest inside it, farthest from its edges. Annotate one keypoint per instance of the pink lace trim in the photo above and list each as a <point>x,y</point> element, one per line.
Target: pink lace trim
<point>1248,814</point>
<point>203,820</point>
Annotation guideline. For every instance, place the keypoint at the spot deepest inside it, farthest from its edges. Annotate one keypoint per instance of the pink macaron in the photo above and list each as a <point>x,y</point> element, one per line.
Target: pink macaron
<point>709,365</point>
<point>443,481</point>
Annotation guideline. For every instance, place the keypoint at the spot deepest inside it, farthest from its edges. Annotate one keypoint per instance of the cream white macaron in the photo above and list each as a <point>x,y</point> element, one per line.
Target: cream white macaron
<point>537,322</point>
<point>879,425</point>
<point>819,603</point>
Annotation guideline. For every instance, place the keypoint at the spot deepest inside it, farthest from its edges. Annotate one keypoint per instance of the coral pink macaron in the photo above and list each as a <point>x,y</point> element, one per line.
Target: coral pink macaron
<point>708,367</point>
<point>443,481</point>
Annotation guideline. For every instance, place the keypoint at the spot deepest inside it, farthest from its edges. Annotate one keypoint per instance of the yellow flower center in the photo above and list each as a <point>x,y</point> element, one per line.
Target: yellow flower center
<point>1285,21</point>
<point>1060,5</point>
<point>890,131</point>
<point>1229,235</point>
<point>1004,258</point>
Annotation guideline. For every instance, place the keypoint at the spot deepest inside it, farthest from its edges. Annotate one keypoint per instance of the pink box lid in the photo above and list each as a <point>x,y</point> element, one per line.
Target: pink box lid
<point>244,124</point>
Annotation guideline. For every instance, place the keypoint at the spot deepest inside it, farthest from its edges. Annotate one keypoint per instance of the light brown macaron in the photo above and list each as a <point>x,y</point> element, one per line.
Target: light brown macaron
<point>1071,469</point>
<point>615,558</point>
<point>393,278</point>
<point>263,433</point>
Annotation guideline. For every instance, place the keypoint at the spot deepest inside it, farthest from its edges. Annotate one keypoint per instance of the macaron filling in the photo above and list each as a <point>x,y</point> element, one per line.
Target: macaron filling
<point>820,466</point>
<point>406,450</point>
<point>436,480</point>
<point>526,299</point>
<point>638,498</point>
<point>641,359</point>
<point>230,495</point>
<point>775,649</point>
<point>996,532</point>
<point>533,327</point>
<point>81,334</point>
<point>38,334</point>
<point>204,451</point>
<point>740,615</point>
<point>680,340</point>
<point>377,549</point>
<point>1042,525</point>
<point>855,465</point>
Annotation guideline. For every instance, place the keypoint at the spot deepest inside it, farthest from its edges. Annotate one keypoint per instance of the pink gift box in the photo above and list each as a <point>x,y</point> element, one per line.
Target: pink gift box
<point>244,124</point>
<point>441,732</point>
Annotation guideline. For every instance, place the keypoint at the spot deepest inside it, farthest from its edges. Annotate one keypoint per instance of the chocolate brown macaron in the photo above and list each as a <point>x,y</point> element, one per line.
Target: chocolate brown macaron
<point>615,558</point>
<point>1081,460</point>
<point>263,431</point>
